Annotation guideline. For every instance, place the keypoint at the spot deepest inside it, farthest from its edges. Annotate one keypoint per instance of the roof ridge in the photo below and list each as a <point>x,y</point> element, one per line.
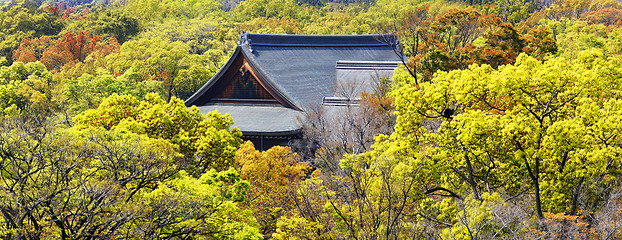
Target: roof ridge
<point>297,40</point>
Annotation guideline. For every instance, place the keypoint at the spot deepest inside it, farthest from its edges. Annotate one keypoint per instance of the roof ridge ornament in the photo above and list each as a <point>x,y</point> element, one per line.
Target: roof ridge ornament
<point>243,39</point>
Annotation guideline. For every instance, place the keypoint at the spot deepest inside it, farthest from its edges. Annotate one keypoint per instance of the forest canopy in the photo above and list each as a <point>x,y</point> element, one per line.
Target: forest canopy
<point>504,120</point>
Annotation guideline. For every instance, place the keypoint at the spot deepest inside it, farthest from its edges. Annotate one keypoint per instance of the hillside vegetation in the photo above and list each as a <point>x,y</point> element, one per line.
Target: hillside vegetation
<point>503,122</point>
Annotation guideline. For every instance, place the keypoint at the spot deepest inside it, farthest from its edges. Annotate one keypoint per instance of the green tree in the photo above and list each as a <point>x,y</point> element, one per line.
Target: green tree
<point>149,11</point>
<point>512,11</point>
<point>68,183</point>
<point>574,36</point>
<point>524,121</point>
<point>63,185</point>
<point>108,22</point>
<point>206,141</point>
<point>170,63</point>
<point>188,207</point>
<point>88,91</point>
<point>200,34</point>
<point>248,10</point>
<point>25,86</point>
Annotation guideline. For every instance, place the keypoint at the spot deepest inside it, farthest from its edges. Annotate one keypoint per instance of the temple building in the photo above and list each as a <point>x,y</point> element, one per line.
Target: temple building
<point>270,80</point>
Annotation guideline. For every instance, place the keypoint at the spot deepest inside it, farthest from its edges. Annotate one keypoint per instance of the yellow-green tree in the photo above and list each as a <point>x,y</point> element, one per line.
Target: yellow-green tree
<point>68,183</point>
<point>205,141</point>
<point>169,63</point>
<point>25,86</point>
<point>205,207</point>
<point>532,125</point>
<point>88,91</point>
<point>273,176</point>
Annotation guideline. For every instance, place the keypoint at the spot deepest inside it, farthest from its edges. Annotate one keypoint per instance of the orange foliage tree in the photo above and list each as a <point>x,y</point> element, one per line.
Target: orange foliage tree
<point>64,12</point>
<point>608,17</point>
<point>461,37</point>
<point>69,49</point>
<point>272,175</point>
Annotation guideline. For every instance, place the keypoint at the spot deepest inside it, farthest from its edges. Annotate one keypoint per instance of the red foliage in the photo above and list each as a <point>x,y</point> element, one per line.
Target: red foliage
<point>607,16</point>
<point>25,52</point>
<point>448,41</point>
<point>503,43</point>
<point>67,13</point>
<point>60,10</point>
<point>69,49</point>
<point>56,8</point>
<point>31,50</point>
<point>538,43</point>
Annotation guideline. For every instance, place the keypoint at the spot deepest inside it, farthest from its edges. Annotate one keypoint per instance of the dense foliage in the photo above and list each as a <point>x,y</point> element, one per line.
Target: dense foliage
<point>504,121</point>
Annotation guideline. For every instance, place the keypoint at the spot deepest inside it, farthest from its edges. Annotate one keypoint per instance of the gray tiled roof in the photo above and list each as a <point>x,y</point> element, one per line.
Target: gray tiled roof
<point>303,67</point>
<point>254,119</point>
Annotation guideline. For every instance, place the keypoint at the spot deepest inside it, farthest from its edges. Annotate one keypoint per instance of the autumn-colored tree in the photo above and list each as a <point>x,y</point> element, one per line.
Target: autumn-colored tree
<point>503,43</point>
<point>59,9</point>
<point>514,147</point>
<point>414,35</point>
<point>461,37</point>
<point>539,43</point>
<point>273,176</point>
<point>607,16</point>
<point>55,8</point>
<point>69,49</point>
<point>20,22</point>
<point>31,50</point>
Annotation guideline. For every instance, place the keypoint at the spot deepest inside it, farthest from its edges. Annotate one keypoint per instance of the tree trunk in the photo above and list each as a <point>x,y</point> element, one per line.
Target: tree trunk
<point>536,185</point>
<point>535,179</point>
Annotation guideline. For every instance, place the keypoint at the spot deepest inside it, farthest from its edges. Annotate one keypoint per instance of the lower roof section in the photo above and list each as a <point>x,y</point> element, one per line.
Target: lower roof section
<point>264,120</point>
